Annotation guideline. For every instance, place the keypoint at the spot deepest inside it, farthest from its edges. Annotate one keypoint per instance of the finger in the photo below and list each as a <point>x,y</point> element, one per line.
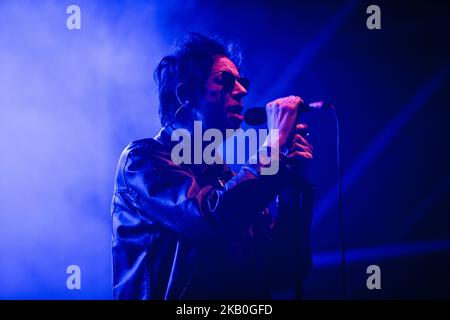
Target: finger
<point>295,100</point>
<point>300,139</point>
<point>274,102</point>
<point>298,100</point>
<point>290,102</point>
<point>300,147</point>
<point>280,101</point>
<point>302,128</point>
<point>300,155</point>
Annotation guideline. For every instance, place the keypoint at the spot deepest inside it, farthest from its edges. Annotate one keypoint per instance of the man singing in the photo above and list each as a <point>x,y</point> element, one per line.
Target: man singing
<point>199,231</point>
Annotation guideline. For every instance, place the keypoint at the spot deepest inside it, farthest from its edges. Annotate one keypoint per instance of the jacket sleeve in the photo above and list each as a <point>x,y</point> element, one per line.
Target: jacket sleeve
<point>169,194</point>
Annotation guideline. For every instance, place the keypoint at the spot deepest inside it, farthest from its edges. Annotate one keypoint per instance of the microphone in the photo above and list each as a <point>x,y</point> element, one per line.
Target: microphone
<point>257,115</point>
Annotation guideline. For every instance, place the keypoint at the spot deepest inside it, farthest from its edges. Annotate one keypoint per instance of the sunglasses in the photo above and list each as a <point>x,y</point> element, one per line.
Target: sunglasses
<point>228,80</point>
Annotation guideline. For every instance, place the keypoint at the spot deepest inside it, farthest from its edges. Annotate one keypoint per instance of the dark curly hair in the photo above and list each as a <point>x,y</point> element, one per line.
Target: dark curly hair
<point>190,64</point>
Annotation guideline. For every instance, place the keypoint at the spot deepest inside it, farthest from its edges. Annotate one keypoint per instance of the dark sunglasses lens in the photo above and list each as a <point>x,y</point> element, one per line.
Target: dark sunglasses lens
<point>228,80</point>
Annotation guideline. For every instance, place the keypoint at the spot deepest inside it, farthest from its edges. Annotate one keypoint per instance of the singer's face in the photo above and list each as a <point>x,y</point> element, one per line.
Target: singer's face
<point>221,105</point>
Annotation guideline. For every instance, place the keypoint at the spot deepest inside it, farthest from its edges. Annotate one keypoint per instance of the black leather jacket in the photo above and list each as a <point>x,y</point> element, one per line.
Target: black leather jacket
<point>200,231</point>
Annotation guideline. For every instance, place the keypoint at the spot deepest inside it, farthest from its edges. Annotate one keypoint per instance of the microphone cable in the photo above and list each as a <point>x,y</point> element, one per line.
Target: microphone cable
<point>340,204</point>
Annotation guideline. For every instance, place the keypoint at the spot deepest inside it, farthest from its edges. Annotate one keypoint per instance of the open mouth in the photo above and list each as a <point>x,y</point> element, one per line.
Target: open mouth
<point>236,109</point>
<point>236,112</point>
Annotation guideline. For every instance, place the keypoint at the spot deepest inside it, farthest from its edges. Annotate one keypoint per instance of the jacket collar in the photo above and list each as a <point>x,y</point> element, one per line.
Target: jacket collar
<point>164,137</point>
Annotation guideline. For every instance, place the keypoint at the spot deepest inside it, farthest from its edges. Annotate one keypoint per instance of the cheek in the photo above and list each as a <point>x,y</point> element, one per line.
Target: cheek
<point>214,94</point>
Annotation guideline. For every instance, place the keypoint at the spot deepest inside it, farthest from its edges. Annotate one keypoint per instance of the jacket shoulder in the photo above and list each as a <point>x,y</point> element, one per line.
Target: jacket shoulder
<point>148,147</point>
<point>144,144</point>
<point>140,155</point>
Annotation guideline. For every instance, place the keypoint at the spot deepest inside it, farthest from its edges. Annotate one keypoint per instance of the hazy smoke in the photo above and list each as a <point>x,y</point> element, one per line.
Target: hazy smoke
<point>70,101</point>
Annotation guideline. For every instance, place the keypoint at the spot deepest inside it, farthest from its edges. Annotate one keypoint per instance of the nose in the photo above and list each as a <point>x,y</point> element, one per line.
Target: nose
<point>238,92</point>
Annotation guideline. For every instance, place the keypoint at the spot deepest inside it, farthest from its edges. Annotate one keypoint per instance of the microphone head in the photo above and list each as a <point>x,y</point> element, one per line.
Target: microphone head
<point>255,116</point>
